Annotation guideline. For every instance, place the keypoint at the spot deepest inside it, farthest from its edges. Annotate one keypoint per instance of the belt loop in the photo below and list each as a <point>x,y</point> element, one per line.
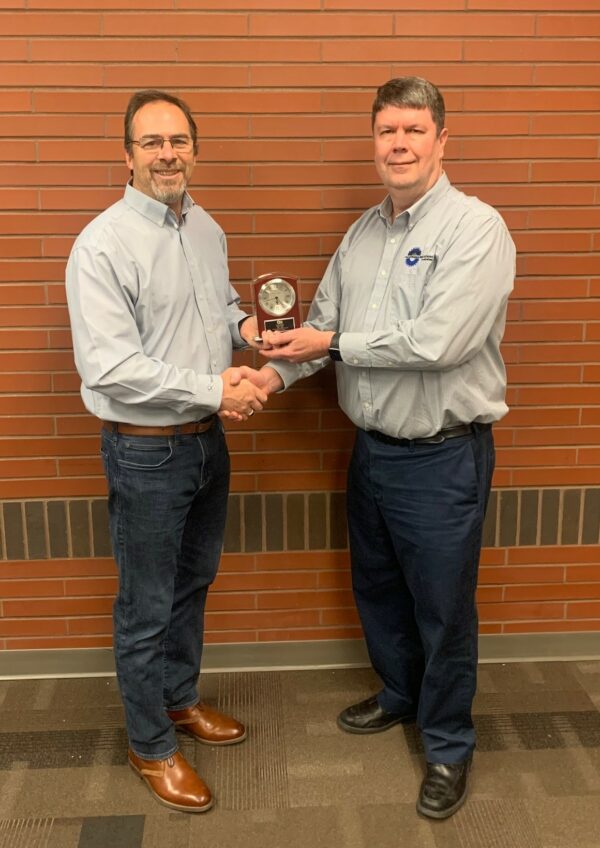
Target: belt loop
<point>111,432</point>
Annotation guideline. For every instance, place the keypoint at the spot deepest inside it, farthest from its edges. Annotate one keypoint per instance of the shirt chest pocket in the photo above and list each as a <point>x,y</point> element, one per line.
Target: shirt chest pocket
<point>406,290</point>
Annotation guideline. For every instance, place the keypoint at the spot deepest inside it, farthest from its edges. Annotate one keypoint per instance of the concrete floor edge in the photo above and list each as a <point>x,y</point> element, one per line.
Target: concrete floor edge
<point>280,656</point>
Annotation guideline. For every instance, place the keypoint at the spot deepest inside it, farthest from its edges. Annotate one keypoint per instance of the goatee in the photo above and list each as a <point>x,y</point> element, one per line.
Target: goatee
<point>168,195</point>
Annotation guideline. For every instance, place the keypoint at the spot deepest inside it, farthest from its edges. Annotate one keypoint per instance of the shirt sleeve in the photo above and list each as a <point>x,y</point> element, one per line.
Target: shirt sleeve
<point>324,314</point>
<point>234,313</point>
<point>467,290</point>
<point>108,349</point>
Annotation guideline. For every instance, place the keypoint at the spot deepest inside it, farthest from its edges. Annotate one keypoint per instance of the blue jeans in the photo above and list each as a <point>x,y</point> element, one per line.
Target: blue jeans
<point>167,507</point>
<point>415,516</point>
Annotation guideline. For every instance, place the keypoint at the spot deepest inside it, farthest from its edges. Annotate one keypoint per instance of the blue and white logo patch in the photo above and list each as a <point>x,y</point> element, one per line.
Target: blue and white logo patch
<point>415,255</point>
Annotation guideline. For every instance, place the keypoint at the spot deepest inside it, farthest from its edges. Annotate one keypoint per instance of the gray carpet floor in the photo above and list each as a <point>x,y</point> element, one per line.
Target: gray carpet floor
<point>297,781</point>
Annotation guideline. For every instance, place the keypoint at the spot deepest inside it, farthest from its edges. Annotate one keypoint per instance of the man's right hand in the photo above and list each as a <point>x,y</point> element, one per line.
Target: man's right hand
<point>241,398</point>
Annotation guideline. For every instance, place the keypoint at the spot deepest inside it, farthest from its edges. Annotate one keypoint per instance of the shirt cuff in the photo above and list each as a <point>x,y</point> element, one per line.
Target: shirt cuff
<point>234,329</point>
<point>354,351</point>
<point>288,371</point>
<point>240,322</point>
<point>213,395</point>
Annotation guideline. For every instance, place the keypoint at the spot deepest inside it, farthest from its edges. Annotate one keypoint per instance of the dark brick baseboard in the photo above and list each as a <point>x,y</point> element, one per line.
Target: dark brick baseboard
<point>299,521</point>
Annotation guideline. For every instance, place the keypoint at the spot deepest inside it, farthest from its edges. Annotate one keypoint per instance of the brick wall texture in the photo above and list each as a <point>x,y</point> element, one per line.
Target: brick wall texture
<point>282,90</point>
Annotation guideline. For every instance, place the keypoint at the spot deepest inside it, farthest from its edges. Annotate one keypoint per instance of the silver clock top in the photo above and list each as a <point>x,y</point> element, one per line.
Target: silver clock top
<point>276,296</point>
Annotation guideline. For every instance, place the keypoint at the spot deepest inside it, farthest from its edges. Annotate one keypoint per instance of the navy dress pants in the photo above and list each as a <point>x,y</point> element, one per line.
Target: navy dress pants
<point>415,516</point>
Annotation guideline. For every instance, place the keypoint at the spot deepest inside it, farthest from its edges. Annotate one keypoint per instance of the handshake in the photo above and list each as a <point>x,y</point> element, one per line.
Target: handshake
<point>245,391</point>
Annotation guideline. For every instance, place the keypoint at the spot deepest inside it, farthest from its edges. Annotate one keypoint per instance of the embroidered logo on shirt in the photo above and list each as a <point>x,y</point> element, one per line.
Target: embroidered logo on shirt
<point>414,255</point>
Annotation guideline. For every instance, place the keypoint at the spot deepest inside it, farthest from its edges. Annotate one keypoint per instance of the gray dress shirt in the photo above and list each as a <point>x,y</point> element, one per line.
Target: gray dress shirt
<point>153,315</point>
<point>420,303</point>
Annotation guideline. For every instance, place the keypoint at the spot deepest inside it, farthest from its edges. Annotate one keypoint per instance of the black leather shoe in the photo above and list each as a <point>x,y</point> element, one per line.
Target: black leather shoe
<point>369,717</point>
<point>444,789</point>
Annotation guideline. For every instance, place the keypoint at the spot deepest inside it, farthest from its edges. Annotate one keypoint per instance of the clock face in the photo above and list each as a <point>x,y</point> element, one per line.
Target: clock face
<point>276,297</point>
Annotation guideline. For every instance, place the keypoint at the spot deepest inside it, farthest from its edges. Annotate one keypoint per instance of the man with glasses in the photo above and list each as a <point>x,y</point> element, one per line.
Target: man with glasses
<point>154,321</point>
<point>412,310</point>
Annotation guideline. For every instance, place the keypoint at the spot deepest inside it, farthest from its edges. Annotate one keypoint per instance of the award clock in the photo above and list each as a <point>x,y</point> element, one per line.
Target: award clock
<point>277,302</point>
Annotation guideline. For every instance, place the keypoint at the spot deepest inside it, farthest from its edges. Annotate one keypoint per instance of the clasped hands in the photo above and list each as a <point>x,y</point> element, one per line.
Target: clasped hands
<point>245,390</point>
<point>301,345</point>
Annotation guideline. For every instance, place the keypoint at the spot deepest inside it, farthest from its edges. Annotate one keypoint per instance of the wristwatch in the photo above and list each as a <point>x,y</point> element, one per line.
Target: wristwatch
<point>334,348</point>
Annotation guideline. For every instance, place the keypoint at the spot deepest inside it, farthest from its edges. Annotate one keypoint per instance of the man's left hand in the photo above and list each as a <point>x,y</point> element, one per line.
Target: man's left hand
<point>249,332</point>
<point>302,345</point>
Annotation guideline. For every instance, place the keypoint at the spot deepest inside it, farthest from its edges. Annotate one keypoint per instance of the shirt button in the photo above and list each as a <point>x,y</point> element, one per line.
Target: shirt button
<point>392,241</point>
<point>214,363</point>
<point>373,306</point>
<point>355,361</point>
<point>383,273</point>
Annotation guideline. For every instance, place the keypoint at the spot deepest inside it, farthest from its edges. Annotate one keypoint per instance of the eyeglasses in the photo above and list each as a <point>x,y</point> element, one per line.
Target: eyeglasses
<point>152,143</point>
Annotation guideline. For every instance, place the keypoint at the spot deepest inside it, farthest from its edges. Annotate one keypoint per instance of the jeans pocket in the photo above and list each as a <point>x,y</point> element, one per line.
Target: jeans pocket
<point>135,453</point>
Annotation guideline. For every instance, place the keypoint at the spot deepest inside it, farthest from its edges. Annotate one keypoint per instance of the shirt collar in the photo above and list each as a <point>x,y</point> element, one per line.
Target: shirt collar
<point>152,209</point>
<point>421,207</point>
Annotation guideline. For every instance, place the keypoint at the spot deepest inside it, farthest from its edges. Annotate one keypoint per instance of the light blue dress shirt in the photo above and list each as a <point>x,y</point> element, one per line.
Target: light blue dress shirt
<point>420,302</point>
<point>153,315</point>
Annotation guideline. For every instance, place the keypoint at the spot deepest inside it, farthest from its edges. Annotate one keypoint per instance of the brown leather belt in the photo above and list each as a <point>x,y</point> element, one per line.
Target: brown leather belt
<point>437,439</point>
<point>170,430</point>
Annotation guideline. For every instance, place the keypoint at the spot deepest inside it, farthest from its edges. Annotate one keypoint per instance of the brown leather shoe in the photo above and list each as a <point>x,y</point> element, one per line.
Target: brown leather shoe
<point>173,782</point>
<point>207,725</point>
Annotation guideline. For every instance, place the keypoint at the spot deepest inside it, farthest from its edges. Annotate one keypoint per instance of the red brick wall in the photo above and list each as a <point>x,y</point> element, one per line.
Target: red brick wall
<point>282,99</point>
